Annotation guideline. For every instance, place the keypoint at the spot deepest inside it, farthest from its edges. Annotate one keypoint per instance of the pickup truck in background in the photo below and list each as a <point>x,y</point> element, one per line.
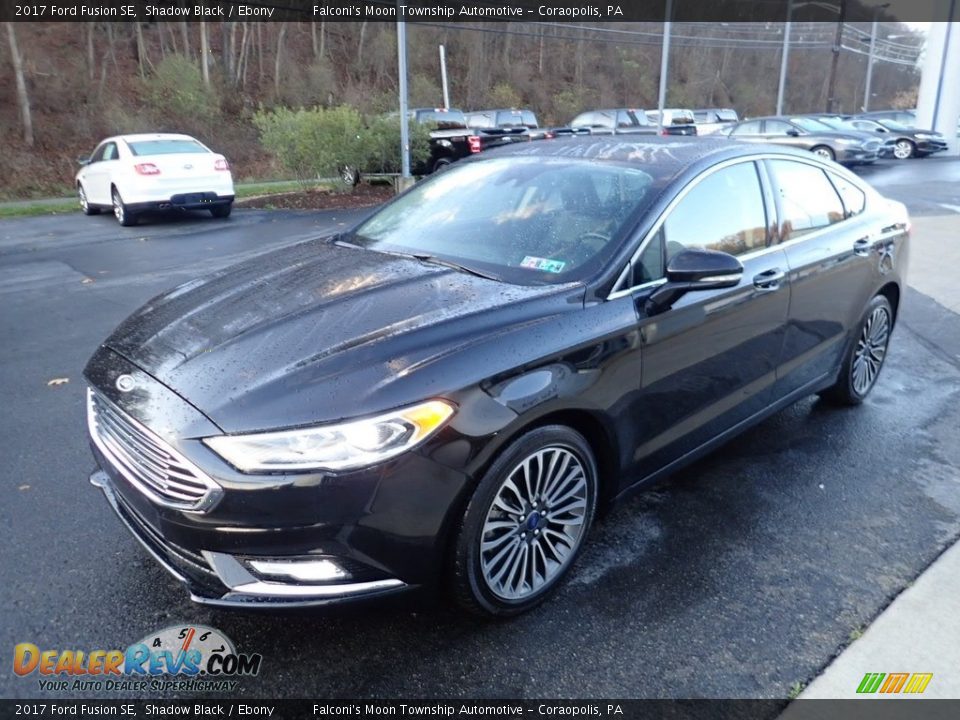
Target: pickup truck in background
<point>451,139</point>
<point>676,121</point>
<point>711,120</point>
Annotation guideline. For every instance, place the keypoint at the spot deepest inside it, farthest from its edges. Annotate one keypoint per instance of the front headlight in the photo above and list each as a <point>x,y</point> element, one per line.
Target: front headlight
<point>924,136</point>
<point>346,446</point>
<point>847,141</point>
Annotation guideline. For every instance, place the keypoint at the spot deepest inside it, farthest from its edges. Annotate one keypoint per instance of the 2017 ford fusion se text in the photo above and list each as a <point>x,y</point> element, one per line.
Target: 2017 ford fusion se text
<point>449,393</point>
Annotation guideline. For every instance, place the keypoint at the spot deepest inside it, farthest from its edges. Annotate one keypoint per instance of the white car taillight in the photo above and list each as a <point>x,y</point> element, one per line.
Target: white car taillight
<point>221,164</point>
<point>146,169</point>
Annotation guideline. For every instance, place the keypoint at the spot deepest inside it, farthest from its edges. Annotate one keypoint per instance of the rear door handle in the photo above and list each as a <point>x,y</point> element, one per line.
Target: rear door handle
<point>769,280</point>
<point>862,246</point>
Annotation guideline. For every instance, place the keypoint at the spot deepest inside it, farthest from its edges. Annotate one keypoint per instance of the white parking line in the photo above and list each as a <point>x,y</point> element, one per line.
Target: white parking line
<point>955,208</point>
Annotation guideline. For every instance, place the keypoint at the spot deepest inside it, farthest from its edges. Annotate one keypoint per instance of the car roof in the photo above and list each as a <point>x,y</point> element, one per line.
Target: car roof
<point>500,110</point>
<point>141,137</point>
<point>671,153</point>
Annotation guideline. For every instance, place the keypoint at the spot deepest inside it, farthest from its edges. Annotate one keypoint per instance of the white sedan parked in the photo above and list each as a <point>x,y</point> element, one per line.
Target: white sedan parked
<point>134,173</point>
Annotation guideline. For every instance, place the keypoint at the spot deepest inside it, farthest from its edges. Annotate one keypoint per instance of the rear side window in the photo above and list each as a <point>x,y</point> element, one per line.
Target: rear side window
<point>854,199</point>
<point>777,127</point>
<point>480,120</point>
<point>165,147</point>
<point>724,211</point>
<point>630,118</point>
<point>808,200</point>
<point>747,128</point>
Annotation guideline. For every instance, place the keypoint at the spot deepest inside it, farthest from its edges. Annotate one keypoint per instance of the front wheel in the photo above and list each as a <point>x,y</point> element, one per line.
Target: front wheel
<point>864,360</point>
<point>85,205</point>
<point>526,522</point>
<point>825,152</point>
<point>904,149</point>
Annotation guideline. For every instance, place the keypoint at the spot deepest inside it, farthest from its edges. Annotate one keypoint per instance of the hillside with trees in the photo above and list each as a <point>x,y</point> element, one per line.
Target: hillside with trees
<point>65,86</point>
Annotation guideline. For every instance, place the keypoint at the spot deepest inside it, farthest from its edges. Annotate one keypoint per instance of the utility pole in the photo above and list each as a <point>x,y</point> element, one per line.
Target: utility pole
<point>664,67</point>
<point>443,77</point>
<point>873,48</point>
<point>404,120</point>
<point>837,44</point>
<point>784,57</point>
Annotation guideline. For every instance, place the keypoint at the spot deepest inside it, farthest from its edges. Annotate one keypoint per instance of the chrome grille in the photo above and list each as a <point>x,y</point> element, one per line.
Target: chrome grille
<point>148,462</point>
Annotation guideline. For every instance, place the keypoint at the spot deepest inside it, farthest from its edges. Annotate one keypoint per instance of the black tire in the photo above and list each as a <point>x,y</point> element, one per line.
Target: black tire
<point>442,164</point>
<point>475,570</point>
<point>851,388</point>
<point>121,211</point>
<point>824,151</point>
<point>85,205</point>
<point>349,175</point>
<point>221,211</point>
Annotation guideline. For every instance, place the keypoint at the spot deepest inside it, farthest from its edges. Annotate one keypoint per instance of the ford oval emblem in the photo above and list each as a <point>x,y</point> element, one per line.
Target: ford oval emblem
<point>126,383</point>
<point>188,166</point>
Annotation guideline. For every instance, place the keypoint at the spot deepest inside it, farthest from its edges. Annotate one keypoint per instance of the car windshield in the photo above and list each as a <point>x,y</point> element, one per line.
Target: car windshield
<point>811,125</point>
<point>165,147</point>
<point>521,220</point>
<point>727,115</point>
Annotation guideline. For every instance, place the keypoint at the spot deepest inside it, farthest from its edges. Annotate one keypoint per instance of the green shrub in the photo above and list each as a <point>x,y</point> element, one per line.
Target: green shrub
<point>314,144</point>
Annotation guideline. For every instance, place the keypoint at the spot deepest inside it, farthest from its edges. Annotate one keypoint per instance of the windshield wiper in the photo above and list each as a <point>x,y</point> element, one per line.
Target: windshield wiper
<point>433,259</point>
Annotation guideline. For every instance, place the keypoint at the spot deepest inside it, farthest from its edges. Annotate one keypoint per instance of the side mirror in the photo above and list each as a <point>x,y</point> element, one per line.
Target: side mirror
<point>793,133</point>
<point>83,160</point>
<point>692,270</point>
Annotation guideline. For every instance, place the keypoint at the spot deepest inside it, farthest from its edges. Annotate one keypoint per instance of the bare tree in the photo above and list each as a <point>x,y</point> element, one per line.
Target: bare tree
<point>278,60</point>
<point>204,53</point>
<point>22,98</point>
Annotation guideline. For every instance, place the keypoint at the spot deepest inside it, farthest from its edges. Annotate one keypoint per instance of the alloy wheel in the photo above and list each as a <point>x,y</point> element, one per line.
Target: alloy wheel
<point>824,153</point>
<point>903,150</point>
<point>118,209</point>
<point>535,523</point>
<point>83,199</point>
<point>871,350</point>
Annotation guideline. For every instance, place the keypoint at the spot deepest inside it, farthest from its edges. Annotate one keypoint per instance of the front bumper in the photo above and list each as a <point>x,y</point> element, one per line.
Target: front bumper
<point>385,528</point>
<point>222,579</point>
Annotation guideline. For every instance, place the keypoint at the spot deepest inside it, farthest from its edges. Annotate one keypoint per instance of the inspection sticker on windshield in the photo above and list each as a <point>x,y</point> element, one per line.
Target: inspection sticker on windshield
<point>545,264</point>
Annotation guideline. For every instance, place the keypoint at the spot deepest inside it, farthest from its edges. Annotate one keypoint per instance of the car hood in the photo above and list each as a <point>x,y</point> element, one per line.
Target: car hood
<point>318,332</point>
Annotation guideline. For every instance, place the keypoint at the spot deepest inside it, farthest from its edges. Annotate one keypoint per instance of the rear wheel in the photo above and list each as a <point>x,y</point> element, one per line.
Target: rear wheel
<point>85,205</point>
<point>904,149</point>
<point>825,152</point>
<point>864,360</point>
<point>526,522</point>
<point>121,211</point>
<point>221,211</point>
<point>349,175</point>
<point>441,165</point>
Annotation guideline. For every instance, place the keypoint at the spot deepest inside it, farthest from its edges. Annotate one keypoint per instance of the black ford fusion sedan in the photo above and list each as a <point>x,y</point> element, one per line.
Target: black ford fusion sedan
<point>450,392</point>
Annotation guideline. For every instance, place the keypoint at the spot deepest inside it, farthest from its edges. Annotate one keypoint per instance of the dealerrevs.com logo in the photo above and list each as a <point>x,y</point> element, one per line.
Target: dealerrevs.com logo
<point>191,658</point>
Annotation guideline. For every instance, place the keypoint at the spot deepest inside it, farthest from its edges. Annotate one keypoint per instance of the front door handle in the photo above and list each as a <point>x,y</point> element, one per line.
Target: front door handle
<point>769,280</point>
<point>862,247</point>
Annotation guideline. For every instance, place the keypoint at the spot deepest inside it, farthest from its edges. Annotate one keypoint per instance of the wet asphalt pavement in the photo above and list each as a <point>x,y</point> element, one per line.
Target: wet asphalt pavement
<point>741,576</point>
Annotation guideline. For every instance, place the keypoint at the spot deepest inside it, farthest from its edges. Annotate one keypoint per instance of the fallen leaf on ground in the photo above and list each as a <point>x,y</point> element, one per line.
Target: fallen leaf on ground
<point>86,281</point>
<point>24,487</point>
<point>58,381</point>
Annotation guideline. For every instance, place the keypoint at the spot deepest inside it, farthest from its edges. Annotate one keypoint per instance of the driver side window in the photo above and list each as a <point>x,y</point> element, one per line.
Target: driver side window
<point>724,211</point>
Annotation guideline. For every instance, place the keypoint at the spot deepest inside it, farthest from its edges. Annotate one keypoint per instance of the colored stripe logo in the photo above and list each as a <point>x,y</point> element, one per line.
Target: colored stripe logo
<point>893,683</point>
